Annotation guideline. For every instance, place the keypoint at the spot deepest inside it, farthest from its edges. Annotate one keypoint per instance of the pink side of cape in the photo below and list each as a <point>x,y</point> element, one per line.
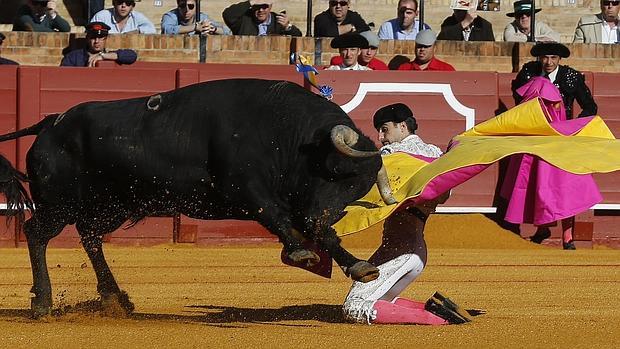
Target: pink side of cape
<point>537,192</point>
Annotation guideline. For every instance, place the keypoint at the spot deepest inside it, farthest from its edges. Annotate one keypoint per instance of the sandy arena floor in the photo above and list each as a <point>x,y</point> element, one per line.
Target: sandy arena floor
<point>188,297</point>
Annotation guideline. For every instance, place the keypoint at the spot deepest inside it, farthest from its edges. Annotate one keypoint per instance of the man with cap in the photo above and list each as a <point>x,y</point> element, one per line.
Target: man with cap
<point>569,81</point>
<point>406,24</point>
<point>425,55</point>
<point>338,19</point>
<point>602,28</point>
<point>466,25</point>
<point>5,60</point>
<point>254,17</point>
<point>519,29</point>
<point>349,45</point>
<point>367,55</point>
<point>40,16</point>
<point>96,37</point>
<point>123,19</point>
<point>402,255</point>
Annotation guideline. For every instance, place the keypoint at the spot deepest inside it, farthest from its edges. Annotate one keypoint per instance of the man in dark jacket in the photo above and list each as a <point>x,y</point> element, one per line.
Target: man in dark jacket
<point>254,17</point>
<point>466,26</point>
<point>40,16</point>
<point>338,20</point>
<point>569,81</point>
<point>96,37</point>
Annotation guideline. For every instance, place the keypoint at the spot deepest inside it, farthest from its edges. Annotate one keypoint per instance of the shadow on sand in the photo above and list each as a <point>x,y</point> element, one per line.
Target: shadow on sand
<point>221,316</point>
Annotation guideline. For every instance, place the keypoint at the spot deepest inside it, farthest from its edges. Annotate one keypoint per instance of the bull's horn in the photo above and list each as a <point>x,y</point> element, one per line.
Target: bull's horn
<point>343,137</point>
<point>384,187</point>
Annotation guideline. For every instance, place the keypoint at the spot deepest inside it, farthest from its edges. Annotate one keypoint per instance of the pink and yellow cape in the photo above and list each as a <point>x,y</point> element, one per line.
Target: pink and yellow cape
<point>580,146</point>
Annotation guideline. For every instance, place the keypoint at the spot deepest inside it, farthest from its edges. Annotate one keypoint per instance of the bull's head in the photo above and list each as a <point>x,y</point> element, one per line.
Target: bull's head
<point>343,137</point>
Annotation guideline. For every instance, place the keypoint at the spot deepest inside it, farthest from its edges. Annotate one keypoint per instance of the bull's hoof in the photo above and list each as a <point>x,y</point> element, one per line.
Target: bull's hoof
<point>304,257</point>
<point>40,308</point>
<point>363,271</point>
<point>116,305</point>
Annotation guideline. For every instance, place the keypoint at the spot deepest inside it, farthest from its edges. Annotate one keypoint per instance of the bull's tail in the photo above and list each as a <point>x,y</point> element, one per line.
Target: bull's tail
<point>32,130</point>
<point>17,198</point>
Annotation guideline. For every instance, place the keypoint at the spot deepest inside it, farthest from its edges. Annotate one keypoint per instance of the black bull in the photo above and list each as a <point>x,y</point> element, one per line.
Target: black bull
<point>268,151</point>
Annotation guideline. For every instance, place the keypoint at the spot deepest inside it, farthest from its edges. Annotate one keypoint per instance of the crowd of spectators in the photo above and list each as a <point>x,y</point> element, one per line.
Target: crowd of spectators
<point>256,17</point>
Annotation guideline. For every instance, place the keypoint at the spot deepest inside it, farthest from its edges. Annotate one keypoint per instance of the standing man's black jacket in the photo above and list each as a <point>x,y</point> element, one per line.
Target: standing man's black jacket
<point>569,81</point>
<point>325,26</point>
<point>240,19</point>
<point>451,29</point>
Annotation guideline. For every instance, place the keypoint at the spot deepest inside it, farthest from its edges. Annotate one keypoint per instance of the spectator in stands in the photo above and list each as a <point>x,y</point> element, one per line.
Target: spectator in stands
<point>95,51</point>
<point>254,17</point>
<point>338,20</point>
<point>5,60</point>
<point>367,55</point>
<point>466,26</point>
<point>182,20</point>
<point>349,45</point>
<point>123,19</point>
<point>406,24</point>
<point>601,28</point>
<point>425,55</point>
<point>519,29</point>
<point>40,16</point>
<point>569,81</point>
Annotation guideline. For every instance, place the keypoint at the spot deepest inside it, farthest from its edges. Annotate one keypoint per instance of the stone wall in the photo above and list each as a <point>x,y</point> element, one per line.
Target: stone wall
<point>47,49</point>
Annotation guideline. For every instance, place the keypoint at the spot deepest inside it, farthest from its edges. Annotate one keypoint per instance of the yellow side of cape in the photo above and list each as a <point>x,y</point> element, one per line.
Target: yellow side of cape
<point>522,129</point>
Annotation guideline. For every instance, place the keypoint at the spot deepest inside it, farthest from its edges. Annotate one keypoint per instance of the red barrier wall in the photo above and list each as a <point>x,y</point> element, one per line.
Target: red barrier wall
<point>438,99</point>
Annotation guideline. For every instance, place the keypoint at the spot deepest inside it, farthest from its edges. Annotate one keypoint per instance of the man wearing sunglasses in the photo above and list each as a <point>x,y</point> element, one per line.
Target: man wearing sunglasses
<point>425,55</point>
<point>254,17</point>
<point>122,19</point>
<point>338,20</point>
<point>40,16</point>
<point>601,28</point>
<point>406,24</point>
<point>182,20</point>
<point>519,29</point>
<point>95,51</point>
<point>5,60</point>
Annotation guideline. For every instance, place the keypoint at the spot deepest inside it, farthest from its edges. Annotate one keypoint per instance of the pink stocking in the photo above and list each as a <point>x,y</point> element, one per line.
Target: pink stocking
<point>408,303</point>
<point>390,313</point>
<point>567,229</point>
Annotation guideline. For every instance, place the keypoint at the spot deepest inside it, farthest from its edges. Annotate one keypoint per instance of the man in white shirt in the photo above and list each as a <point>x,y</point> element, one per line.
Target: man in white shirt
<point>601,28</point>
<point>406,24</point>
<point>349,45</point>
<point>122,19</point>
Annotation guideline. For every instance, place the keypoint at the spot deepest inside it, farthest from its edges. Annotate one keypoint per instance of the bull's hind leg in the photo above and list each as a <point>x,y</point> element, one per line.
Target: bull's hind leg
<point>39,230</point>
<point>92,240</point>
<point>293,244</point>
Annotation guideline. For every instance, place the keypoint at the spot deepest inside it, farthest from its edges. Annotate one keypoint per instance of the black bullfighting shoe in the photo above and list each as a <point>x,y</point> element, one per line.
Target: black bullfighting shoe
<point>445,308</point>
<point>569,245</point>
<point>540,235</point>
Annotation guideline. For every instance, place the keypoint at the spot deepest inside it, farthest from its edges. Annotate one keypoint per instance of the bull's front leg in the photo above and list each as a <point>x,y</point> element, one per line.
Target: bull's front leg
<point>290,239</point>
<point>357,269</point>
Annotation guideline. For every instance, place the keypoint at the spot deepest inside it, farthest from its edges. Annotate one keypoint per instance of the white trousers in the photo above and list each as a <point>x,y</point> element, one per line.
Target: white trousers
<point>400,259</point>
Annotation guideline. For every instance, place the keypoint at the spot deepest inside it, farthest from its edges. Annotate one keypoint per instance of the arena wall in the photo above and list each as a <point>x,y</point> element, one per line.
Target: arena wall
<point>27,93</point>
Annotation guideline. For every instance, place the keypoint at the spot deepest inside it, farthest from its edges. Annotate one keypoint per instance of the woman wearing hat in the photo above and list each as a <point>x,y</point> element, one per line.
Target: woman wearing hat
<point>519,29</point>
